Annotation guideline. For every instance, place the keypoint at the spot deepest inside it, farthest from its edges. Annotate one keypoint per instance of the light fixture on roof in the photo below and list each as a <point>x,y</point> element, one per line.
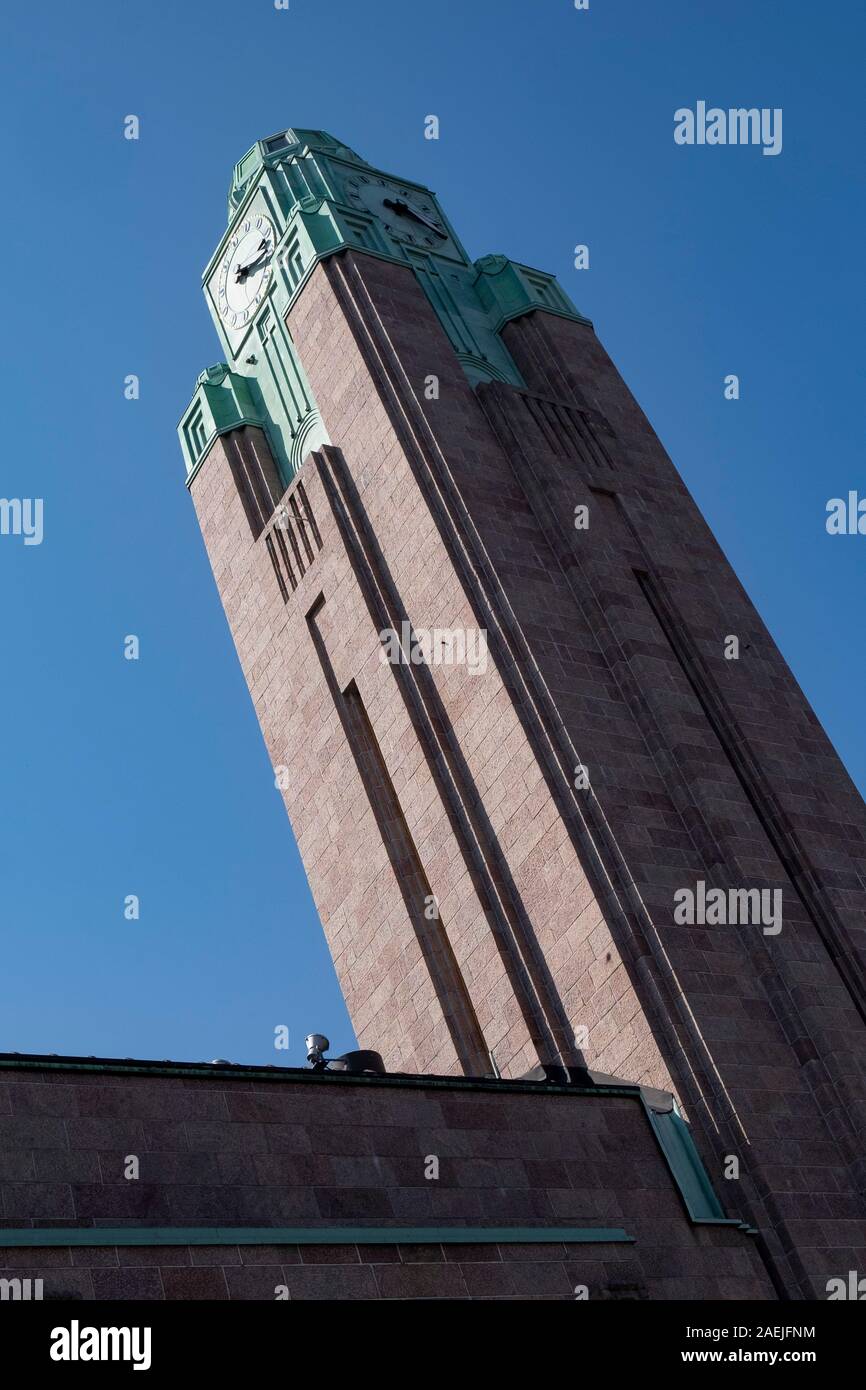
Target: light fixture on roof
<point>317,1045</point>
<point>363,1061</point>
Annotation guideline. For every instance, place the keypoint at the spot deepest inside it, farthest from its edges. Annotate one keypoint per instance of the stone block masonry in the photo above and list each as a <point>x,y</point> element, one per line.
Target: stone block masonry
<point>246,1180</point>
<point>496,850</point>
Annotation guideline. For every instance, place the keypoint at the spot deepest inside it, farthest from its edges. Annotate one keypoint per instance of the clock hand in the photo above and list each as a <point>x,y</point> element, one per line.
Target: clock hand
<point>399,205</point>
<point>408,211</point>
<point>243,270</point>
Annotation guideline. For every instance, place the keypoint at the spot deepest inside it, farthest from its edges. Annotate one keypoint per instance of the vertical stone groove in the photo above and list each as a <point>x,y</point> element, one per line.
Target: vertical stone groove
<point>448,982</point>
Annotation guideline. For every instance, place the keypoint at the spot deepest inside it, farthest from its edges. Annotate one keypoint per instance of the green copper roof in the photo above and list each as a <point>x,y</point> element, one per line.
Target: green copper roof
<point>276,147</point>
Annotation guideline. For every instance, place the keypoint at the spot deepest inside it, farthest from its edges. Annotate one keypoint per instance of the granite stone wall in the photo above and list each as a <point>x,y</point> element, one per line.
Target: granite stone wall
<point>553,935</point>
<point>223,1150</point>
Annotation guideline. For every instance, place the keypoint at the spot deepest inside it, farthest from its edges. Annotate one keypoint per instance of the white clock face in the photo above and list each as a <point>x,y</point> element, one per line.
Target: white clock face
<point>245,271</point>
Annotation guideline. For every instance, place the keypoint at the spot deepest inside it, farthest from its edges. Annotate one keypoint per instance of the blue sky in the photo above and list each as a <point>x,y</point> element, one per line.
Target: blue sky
<point>556,128</point>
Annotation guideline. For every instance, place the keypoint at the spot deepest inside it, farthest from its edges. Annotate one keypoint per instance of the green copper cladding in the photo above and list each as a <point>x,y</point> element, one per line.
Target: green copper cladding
<point>508,290</point>
<point>126,1236</point>
<point>306,196</point>
<point>674,1138</point>
<point>273,150</point>
<point>278,401</point>
<point>222,402</point>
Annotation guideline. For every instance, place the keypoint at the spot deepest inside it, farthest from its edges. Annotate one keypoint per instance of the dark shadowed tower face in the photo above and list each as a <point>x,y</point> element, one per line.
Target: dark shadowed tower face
<point>557,794</point>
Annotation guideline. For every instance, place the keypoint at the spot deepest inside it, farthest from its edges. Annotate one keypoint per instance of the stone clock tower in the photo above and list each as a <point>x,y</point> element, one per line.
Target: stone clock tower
<point>551,813</point>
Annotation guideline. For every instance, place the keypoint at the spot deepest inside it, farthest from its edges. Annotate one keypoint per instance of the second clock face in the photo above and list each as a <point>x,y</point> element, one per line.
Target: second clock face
<point>245,271</point>
<point>407,214</point>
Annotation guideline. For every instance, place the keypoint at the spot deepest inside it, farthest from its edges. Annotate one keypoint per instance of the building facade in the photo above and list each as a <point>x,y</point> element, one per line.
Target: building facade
<point>279,1184</point>
<point>559,799</point>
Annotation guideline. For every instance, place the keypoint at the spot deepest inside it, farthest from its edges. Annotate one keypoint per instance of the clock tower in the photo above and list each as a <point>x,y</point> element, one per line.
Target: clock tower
<point>547,818</point>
